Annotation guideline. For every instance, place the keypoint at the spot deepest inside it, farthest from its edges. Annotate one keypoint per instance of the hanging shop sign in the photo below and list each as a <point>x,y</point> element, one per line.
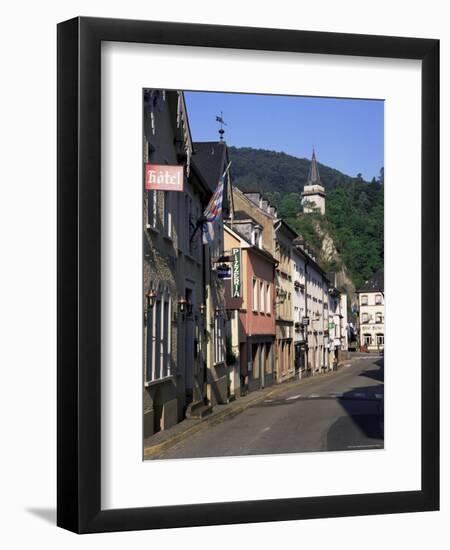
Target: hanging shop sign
<point>163,177</point>
<point>305,321</point>
<point>224,272</point>
<point>236,273</point>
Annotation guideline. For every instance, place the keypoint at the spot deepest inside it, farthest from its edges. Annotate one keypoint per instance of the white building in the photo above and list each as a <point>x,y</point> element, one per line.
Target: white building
<point>344,323</point>
<point>299,308</point>
<point>371,312</point>
<point>337,321</point>
<point>317,313</point>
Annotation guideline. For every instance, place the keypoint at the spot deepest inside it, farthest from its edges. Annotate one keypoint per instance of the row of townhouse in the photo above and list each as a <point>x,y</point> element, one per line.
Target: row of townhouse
<point>288,317</point>
<point>250,309</point>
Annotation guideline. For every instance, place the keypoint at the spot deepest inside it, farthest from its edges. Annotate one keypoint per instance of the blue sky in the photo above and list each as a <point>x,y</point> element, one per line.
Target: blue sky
<point>347,134</point>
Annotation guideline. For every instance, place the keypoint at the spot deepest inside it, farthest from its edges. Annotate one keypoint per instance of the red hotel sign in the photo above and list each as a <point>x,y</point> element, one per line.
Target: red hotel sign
<point>163,177</point>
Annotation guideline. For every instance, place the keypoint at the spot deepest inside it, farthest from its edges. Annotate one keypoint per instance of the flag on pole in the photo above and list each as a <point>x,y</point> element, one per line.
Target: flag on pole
<point>212,212</point>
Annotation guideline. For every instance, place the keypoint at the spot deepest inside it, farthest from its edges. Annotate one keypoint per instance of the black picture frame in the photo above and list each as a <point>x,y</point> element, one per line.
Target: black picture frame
<point>79,280</point>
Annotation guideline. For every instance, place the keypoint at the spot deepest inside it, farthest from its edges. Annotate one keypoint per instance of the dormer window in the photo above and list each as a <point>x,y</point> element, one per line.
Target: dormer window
<point>256,237</point>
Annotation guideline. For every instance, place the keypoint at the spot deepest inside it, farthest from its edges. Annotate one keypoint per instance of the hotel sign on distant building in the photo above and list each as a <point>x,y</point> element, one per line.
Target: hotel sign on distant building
<point>236,273</point>
<point>163,177</point>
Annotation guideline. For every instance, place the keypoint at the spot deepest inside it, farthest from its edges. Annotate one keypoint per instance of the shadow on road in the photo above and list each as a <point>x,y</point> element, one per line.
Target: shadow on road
<point>375,374</point>
<point>362,427</point>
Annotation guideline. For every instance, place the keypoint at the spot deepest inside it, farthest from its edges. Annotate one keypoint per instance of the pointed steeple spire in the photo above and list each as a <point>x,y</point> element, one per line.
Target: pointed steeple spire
<point>313,195</point>
<point>313,176</point>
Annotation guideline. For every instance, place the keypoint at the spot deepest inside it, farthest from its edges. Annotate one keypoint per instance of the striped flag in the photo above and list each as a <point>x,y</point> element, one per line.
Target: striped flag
<point>212,212</point>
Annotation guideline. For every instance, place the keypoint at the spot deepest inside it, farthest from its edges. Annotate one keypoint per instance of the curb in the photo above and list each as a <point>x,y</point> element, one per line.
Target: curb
<point>208,421</point>
<point>153,450</point>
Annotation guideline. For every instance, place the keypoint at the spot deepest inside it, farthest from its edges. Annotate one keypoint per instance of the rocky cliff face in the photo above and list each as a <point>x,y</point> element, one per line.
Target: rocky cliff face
<point>330,258</point>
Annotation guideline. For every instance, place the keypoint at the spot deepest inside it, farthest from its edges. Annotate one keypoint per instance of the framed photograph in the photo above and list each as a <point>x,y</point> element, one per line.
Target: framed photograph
<point>248,275</point>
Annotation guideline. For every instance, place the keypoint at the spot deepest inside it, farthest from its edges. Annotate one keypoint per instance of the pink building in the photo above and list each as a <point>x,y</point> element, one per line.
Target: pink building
<point>249,298</point>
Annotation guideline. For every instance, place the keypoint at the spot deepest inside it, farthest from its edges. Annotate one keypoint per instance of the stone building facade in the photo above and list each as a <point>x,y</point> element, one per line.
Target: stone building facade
<point>174,343</point>
<point>185,371</point>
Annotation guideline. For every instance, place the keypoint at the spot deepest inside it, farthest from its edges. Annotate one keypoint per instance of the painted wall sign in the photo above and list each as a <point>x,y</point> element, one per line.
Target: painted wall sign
<point>236,273</point>
<point>163,177</point>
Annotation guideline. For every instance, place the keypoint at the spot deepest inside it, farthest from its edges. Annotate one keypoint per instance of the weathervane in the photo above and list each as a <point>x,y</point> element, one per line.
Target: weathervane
<point>222,124</point>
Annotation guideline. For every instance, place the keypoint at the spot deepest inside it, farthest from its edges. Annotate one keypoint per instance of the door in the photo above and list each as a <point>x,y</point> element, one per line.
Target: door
<point>189,343</point>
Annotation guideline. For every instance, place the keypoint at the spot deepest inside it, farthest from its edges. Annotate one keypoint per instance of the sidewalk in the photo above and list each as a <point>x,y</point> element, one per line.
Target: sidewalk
<point>159,442</point>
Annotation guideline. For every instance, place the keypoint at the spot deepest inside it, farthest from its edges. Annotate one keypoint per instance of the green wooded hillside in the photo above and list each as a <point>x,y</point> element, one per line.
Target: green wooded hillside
<point>354,208</point>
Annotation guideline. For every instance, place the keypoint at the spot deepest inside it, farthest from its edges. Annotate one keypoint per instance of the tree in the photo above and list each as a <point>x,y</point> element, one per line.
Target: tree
<point>354,215</point>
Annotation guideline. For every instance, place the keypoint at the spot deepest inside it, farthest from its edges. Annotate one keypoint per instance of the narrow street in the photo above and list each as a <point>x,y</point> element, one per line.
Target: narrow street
<point>344,412</point>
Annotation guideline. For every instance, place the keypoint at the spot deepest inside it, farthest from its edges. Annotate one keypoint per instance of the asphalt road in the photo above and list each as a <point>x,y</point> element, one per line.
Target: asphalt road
<point>342,412</point>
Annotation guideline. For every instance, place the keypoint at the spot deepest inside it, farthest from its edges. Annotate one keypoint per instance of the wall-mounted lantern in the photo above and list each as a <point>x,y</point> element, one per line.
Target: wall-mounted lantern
<point>182,303</point>
<point>150,297</point>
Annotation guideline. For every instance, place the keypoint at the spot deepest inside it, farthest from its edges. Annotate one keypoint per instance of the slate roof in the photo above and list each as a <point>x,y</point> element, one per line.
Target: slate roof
<point>376,283</point>
<point>210,159</point>
<point>287,228</point>
<point>240,215</point>
<point>313,176</point>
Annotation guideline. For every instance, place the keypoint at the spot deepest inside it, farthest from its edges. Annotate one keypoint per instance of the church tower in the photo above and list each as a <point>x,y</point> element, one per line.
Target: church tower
<point>313,196</point>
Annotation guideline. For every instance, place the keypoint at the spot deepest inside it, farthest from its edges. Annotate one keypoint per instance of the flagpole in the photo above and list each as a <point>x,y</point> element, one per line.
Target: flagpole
<point>227,168</point>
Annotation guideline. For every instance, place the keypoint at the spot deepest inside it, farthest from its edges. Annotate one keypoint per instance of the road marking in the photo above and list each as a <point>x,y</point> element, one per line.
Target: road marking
<point>313,396</point>
<point>268,401</point>
<point>336,394</point>
<point>359,394</point>
<point>348,365</point>
<point>293,397</point>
